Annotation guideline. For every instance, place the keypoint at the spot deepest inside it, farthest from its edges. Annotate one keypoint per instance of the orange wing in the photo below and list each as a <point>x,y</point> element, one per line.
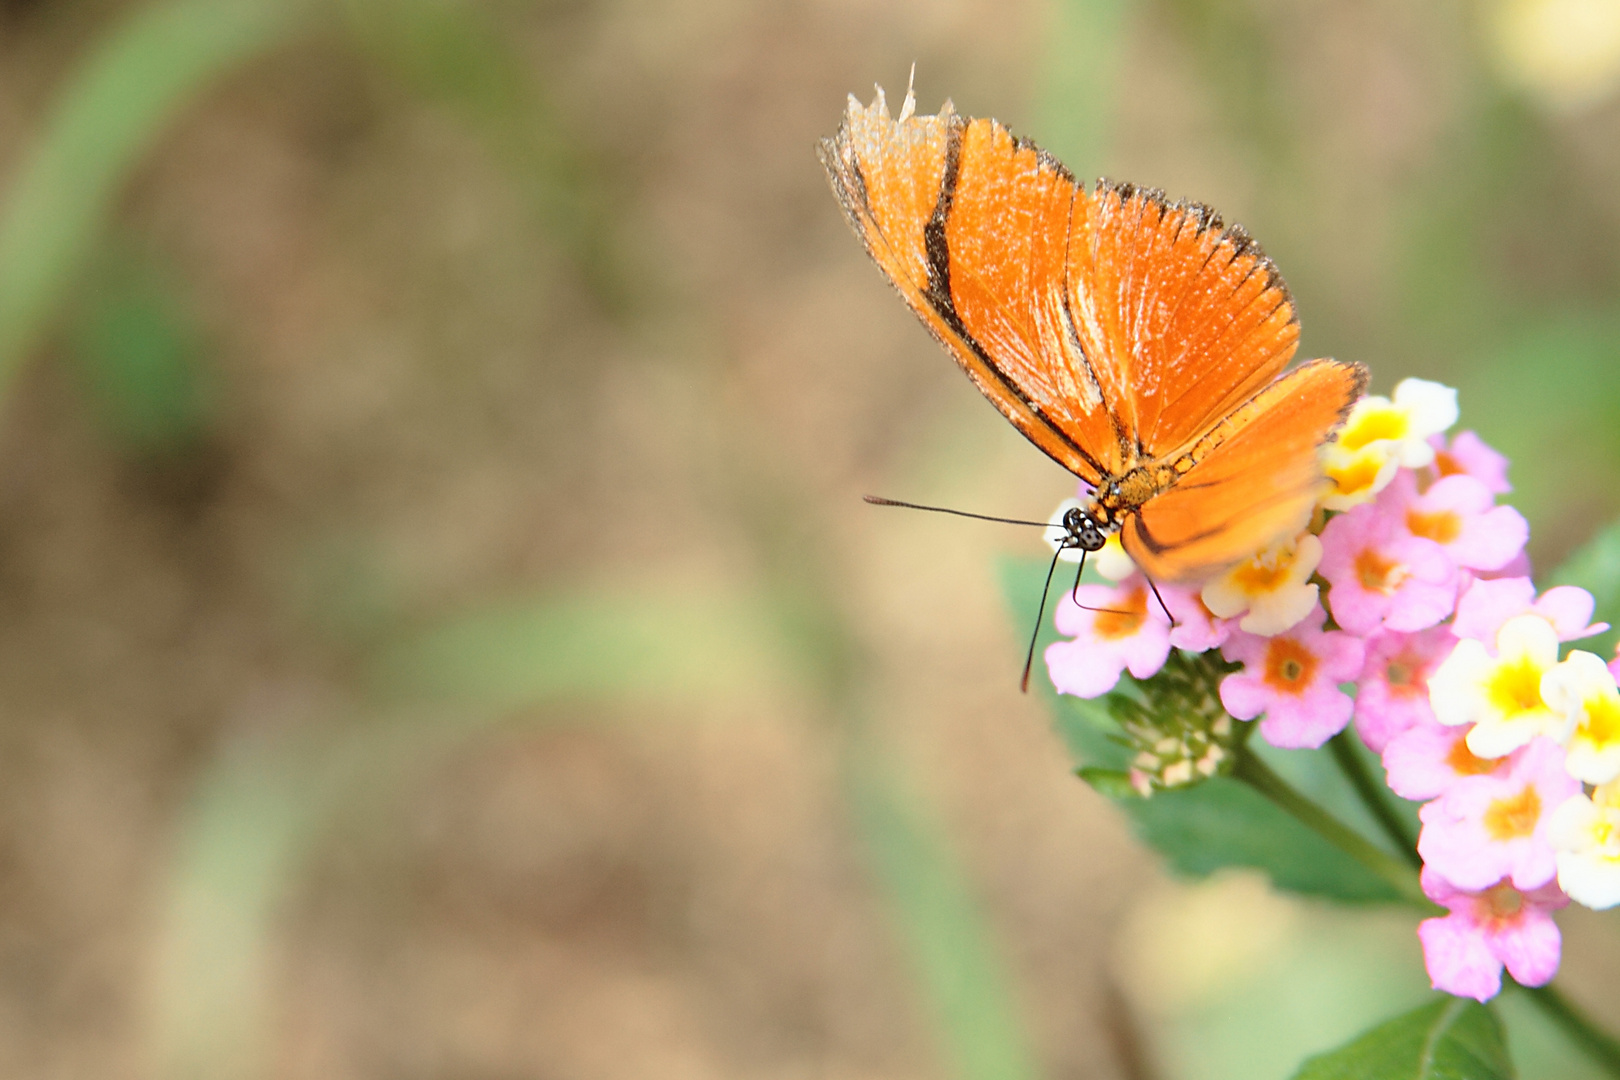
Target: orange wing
<point>1191,317</point>
<point>1256,476</point>
<point>969,227</point>
<point>1110,329</point>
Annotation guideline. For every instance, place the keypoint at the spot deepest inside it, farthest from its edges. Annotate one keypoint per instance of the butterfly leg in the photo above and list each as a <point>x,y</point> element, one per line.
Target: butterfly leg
<point>1162,605</point>
<point>1074,593</point>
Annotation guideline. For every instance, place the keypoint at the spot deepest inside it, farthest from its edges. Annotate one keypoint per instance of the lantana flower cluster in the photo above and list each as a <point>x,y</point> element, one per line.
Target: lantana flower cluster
<point>1407,609</point>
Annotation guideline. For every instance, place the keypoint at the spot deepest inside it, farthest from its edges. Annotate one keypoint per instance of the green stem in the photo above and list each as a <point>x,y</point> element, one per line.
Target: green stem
<point>1258,775</point>
<point>1600,1046</point>
<point>1372,795</point>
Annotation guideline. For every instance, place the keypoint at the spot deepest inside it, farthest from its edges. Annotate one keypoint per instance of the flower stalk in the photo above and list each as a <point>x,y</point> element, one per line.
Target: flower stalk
<point>1369,791</point>
<point>1250,769</point>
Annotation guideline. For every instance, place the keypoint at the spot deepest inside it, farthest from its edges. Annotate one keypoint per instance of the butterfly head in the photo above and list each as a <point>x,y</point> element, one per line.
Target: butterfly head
<point>1082,530</point>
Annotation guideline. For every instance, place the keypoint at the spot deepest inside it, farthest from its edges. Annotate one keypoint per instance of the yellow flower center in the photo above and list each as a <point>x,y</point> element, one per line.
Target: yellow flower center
<point>1602,724</point>
<point>1446,465</point>
<point>1515,687</point>
<point>1261,575</point>
<point>1289,665</point>
<point>1126,616</point>
<point>1373,425</point>
<point>1514,816</point>
<point>1359,475</point>
<point>1442,527</point>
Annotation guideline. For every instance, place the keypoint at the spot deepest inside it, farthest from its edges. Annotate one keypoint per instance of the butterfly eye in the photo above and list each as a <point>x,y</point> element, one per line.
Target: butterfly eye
<point>1073,520</point>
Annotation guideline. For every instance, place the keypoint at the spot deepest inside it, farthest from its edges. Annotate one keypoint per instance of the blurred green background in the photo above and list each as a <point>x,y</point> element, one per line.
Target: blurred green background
<point>439,631</point>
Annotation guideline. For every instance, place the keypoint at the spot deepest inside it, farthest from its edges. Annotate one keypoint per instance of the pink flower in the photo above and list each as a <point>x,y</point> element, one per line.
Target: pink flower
<point>1460,514</point>
<point>1488,928</point>
<point>1293,678</point>
<point>1486,604</point>
<point>1394,691</point>
<point>1113,628</point>
<point>1485,828</point>
<point>1197,628</point>
<point>1383,576</point>
<point>1427,758</point>
<point>1518,566</point>
<point>1469,456</point>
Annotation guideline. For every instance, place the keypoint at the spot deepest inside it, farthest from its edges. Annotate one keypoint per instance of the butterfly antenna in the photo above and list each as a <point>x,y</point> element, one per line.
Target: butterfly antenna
<point>1029,657</point>
<point>878,500</point>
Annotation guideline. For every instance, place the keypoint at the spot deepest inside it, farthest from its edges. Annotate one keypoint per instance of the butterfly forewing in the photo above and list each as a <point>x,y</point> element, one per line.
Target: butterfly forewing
<point>1194,317</point>
<point>1011,214</point>
<point>895,180</point>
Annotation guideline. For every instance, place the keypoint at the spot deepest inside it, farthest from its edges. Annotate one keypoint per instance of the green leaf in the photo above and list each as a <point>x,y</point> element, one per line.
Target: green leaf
<point>1449,1039</point>
<point>1596,568</point>
<point>1222,822</point>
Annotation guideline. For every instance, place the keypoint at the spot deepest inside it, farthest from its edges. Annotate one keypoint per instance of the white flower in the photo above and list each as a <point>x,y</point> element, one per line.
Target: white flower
<point>1054,534</point>
<point>1501,694</point>
<point>1274,587</point>
<point>1583,689</point>
<point>1586,833</point>
<point>1382,434</point>
<point>1111,561</point>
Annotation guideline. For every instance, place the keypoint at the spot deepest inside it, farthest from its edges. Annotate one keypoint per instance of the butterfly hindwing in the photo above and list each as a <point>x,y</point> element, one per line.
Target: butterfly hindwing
<point>1256,476</point>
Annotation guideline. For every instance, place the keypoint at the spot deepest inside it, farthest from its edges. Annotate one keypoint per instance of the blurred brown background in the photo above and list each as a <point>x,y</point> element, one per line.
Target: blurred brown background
<point>440,635</point>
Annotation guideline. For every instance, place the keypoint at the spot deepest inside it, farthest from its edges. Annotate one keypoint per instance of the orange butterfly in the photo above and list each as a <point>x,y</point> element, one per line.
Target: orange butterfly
<point>1139,342</point>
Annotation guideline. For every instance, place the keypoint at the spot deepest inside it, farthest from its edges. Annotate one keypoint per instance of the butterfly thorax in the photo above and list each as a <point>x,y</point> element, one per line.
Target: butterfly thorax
<point>1119,496</point>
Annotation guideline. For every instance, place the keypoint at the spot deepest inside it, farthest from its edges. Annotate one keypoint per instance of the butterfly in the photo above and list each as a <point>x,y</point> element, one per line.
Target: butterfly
<point>1141,343</point>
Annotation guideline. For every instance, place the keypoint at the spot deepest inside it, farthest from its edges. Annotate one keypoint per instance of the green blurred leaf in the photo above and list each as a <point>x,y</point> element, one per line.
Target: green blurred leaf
<point>454,54</point>
<point>1596,568</point>
<point>113,109</point>
<point>956,961</point>
<point>1086,727</point>
<point>140,356</point>
<point>1222,822</point>
<point>659,642</point>
<point>1450,1039</point>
